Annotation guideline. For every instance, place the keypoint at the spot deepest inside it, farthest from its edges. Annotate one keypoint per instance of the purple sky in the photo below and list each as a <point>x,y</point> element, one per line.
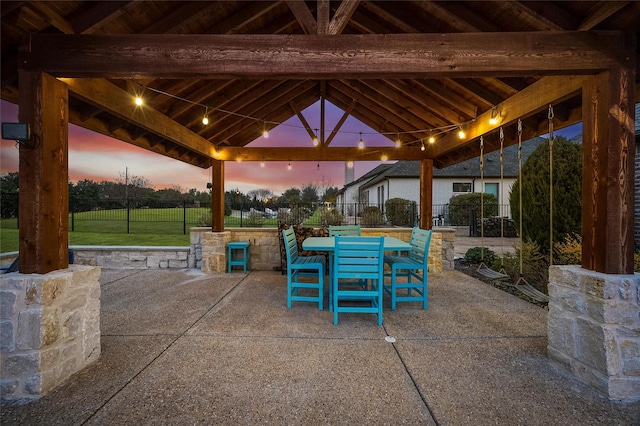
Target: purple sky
<point>98,157</point>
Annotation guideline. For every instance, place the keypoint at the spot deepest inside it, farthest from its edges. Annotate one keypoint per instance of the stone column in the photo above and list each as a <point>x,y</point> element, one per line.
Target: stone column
<point>49,329</point>
<point>594,328</point>
<point>214,251</point>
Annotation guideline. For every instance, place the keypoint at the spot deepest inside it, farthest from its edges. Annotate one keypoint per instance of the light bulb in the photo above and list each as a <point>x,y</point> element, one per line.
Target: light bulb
<point>398,141</point>
<point>205,120</point>
<point>493,120</point>
<point>318,166</point>
<point>422,147</point>
<point>494,116</point>
<point>461,134</point>
<point>361,143</point>
<point>265,134</point>
<point>384,157</point>
<point>315,141</point>
<point>262,164</point>
<point>350,164</point>
<point>432,139</point>
<point>289,166</point>
<point>138,100</point>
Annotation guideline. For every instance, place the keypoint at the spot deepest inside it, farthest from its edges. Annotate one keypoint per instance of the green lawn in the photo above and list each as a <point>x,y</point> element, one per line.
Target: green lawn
<point>147,227</point>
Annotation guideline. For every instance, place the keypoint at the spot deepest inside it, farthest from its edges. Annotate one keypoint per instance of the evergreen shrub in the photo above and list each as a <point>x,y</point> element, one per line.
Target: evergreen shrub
<point>401,212</point>
<point>460,205</point>
<point>567,193</point>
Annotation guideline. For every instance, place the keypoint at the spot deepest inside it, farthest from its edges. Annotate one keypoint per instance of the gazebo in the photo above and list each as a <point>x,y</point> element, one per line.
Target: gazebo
<point>410,70</point>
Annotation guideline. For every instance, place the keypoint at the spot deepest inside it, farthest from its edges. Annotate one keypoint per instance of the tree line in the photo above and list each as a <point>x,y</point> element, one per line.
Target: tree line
<point>138,191</point>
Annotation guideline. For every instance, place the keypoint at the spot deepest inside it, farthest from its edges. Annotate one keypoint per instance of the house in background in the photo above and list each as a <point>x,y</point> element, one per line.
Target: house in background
<point>402,180</point>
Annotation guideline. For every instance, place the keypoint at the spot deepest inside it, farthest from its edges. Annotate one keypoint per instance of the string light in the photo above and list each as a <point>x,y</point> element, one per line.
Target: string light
<point>422,147</point>
<point>361,143</point>
<point>432,131</point>
<point>318,166</point>
<point>289,166</point>
<point>205,119</point>
<point>262,164</point>
<point>315,138</point>
<point>350,164</point>
<point>384,157</point>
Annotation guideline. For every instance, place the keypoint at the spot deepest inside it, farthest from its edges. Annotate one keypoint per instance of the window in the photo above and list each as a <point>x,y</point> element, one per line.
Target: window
<point>461,187</point>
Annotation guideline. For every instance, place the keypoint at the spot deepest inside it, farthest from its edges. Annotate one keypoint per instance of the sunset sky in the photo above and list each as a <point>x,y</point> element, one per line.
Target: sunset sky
<point>97,157</point>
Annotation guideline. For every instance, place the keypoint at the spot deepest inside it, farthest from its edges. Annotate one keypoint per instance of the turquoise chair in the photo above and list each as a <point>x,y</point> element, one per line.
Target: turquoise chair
<point>415,265</point>
<point>357,259</point>
<point>302,266</point>
<point>353,230</point>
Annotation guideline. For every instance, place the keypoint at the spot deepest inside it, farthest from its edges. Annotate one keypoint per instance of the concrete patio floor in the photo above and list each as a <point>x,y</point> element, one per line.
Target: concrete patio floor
<point>182,347</point>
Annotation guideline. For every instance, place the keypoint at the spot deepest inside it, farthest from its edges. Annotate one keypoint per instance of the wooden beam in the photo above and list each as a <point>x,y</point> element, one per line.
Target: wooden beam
<point>322,11</point>
<point>342,16</point>
<point>304,16</point>
<point>608,147</point>
<point>217,196</point>
<point>323,57</point>
<point>121,104</point>
<point>344,117</point>
<point>527,102</point>
<point>303,120</point>
<point>410,152</point>
<point>43,169</point>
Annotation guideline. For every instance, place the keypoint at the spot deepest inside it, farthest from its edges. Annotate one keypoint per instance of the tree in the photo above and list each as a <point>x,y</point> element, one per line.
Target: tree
<point>309,194</point>
<point>292,195</point>
<point>567,193</point>
<point>84,195</point>
<point>330,194</point>
<point>260,194</point>
<point>9,195</point>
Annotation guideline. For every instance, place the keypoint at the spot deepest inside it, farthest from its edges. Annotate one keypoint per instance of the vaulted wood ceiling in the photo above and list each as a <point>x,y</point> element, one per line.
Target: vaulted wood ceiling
<point>242,106</point>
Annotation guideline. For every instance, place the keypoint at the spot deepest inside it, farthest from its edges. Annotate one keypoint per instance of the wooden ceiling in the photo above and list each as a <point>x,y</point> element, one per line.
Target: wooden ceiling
<point>411,100</point>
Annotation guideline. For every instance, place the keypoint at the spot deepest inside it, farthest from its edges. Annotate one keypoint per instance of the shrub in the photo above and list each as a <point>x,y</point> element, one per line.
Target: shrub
<point>330,217</point>
<point>460,205</point>
<point>477,255</point>
<point>535,265</point>
<point>204,219</point>
<point>401,212</point>
<point>569,251</point>
<point>372,217</point>
<point>255,220</point>
<point>295,216</point>
<point>567,190</point>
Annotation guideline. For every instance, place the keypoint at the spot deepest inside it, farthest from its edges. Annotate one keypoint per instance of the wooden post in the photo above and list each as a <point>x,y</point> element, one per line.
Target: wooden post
<point>426,194</point>
<point>43,181</point>
<point>217,196</point>
<point>608,172</point>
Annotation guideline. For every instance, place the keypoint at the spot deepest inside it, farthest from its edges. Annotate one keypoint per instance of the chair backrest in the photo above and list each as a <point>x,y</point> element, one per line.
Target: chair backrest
<point>290,245</point>
<point>353,230</point>
<point>420,242</point>
<point>359,257</point>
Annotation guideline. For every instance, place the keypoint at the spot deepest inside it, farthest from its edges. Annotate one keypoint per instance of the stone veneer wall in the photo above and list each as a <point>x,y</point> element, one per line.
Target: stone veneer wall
<point>594,328</point>
<point>49,329</point>
<point>209,248</point>
<point>134,257</point>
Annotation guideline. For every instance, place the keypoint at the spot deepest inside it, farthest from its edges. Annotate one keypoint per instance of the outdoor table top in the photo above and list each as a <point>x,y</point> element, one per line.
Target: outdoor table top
<point>329,244</point>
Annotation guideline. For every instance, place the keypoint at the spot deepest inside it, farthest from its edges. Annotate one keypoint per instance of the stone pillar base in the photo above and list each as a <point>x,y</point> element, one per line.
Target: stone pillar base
<point>214,252</point>
<point>594,328</point>
<point>49,329</point>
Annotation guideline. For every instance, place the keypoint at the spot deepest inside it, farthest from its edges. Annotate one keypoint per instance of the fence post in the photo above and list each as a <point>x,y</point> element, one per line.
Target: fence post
<point>184,217</point>
<point>128,222</point>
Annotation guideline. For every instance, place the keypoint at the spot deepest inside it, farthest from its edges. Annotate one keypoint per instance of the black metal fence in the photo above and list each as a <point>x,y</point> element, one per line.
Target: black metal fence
<point>178,216</point>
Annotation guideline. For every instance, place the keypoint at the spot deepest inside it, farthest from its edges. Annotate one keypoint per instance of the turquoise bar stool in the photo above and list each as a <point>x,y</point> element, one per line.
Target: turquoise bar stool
<point>234,248</point>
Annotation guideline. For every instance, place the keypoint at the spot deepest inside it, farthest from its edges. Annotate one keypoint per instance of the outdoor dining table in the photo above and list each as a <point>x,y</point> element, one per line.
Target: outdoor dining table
<point>328,244</point>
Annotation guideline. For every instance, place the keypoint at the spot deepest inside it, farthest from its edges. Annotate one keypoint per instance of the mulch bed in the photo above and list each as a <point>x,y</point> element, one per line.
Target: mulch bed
<point>469,268</point>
